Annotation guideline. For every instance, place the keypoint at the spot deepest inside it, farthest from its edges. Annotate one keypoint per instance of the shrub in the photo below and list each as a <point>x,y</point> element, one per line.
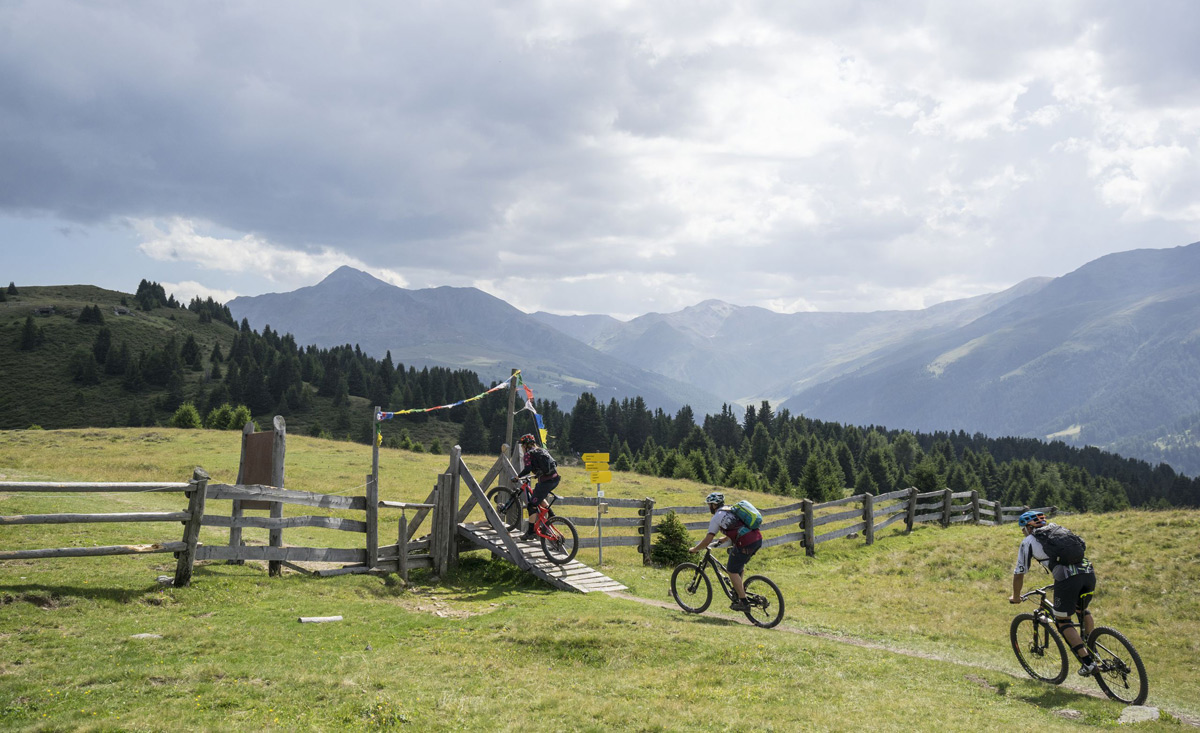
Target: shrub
<point>186,417</point>
<point>218,417</point>
<point>241,416</point>
<point>671,547</point>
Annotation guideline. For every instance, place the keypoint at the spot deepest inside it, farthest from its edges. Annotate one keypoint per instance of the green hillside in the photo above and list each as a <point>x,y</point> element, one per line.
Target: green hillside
<point>891,636</point>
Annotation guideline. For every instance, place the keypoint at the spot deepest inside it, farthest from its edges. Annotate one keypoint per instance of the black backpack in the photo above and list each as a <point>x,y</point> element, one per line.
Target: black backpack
<point>1062,546</point>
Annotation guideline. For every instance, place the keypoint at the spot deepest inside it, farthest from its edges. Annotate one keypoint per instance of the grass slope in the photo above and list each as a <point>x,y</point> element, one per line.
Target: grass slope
<point>489,647</point>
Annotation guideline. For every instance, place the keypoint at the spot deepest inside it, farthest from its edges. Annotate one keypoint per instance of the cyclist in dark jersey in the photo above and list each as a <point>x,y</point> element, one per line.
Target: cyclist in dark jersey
<point>539,463</point>
<point>1073,588</point>
<point>741,547</point>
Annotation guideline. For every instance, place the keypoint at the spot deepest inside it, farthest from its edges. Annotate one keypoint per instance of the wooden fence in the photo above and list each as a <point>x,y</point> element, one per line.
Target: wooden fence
<point>809,523</point>
<point>184,550</point>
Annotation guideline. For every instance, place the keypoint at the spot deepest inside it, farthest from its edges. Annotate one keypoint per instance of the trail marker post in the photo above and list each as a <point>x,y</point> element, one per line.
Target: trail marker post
<point>597,466</point>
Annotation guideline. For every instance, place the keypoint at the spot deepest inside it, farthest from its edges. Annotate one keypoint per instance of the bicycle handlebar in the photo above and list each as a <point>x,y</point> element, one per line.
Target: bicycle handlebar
<point>1037,591</point>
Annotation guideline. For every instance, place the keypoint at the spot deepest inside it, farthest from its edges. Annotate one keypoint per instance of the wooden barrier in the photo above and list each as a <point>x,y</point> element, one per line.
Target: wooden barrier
<point>184,550</point>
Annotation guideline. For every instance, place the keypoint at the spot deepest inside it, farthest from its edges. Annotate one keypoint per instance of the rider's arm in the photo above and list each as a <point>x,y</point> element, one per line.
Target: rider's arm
<point>1018,583</point>
<point>702,543</point>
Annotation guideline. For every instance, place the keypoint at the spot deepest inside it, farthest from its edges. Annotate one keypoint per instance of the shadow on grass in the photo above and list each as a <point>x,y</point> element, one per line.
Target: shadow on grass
<point>58,596</point>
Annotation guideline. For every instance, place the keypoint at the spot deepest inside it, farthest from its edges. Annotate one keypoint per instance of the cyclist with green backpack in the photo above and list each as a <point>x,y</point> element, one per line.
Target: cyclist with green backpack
<point>1061,552</point>
<point>739,523</point>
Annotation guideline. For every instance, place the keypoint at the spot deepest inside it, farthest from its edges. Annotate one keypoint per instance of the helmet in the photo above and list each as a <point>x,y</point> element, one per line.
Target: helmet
<point>1033,518</point>
<point>715,497</point>
<point>527,439</point>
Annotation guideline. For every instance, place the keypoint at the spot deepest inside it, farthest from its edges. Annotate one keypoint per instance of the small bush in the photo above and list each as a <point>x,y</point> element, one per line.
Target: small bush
<point>186,417</point>
<point>241,416</point>
<point>218,418</point>
<point>671,547</point>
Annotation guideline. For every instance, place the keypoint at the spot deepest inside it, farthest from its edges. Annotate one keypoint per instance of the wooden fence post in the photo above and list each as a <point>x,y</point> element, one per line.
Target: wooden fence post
<point>647,513</point>
<point>191,531</point>
<point>453,504</point>
<point>402,547</point>
<point>946,499</point>
<point>372,521</point>
<point>439,543</point>
<point>236,514</point>
<point>278,453</point>
<point>868,503</point>
<point>911,513</point>
<point>975,506</point>
<point>806,525</point>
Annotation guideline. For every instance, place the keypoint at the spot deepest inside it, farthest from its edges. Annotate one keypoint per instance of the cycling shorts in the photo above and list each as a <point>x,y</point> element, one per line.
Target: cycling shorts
<point>540,491</point>
<point>1073,594</point>
<point>739,556</point>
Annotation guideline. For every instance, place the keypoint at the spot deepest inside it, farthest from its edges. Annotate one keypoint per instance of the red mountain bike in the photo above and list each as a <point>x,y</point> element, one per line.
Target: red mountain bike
<point>560,540</point>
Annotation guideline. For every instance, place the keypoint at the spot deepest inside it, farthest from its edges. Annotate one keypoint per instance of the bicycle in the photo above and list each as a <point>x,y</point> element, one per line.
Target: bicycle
<point>1040,650</point>
<point>559,539</point>
<point>692,590</point>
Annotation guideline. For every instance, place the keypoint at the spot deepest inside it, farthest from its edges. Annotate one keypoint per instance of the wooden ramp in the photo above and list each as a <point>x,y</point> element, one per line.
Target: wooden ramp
<point>574,576</point>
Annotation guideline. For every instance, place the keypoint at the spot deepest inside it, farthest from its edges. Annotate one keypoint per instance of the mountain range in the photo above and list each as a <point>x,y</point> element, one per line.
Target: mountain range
<point>1107,355</point>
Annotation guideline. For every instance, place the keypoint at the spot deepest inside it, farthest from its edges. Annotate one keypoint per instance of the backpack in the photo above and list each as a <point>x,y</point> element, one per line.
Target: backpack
<point>1062,546</point>
<point>745,513</point>
<point>547,465</point>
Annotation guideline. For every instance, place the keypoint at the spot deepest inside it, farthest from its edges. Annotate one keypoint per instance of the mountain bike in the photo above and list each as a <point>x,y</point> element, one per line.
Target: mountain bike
<point>560,540</point>
<point>693,590</point>
<point>1040,650</point>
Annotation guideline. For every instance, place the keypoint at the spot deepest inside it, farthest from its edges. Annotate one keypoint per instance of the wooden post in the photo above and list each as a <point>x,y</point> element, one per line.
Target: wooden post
<point>647,512</point>
<point>975,506</point>
<point>868,503</point>
<point>278,452</point>
<point>402,547</point>
<point>453,504</point>
<point>373,495</point>
<point>946,499</point>
<point>235,530</point>
<point>191,531</point>
<point>512,407</point>
<point>911,513</point>
<point>439,531</point>
<point>806,525</point>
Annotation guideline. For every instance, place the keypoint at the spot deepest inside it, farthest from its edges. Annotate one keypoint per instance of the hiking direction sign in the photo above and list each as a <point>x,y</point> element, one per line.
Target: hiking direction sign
<point>597,467</point>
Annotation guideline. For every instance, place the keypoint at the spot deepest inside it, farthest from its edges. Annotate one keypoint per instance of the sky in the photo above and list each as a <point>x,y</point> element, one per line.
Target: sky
<point>582,157</point>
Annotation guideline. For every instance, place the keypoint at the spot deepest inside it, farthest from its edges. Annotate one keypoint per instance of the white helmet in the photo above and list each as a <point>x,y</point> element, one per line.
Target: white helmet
<point>715,497</point>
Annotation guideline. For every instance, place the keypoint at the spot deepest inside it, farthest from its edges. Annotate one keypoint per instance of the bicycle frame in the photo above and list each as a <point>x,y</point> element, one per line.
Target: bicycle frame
<point>540,526</point>
<point>720,571</point>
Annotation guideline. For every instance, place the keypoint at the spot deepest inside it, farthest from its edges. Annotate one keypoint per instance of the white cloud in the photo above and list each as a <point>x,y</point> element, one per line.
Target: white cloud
<point>178,240</point>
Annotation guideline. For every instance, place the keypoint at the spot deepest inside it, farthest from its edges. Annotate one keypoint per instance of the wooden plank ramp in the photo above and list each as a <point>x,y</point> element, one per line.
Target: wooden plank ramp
<point>573,576</point>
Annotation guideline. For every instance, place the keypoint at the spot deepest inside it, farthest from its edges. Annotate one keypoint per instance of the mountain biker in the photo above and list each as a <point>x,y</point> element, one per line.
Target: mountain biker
<point>539,463</point>
<point>741,549</point>
<point>1073,588</point>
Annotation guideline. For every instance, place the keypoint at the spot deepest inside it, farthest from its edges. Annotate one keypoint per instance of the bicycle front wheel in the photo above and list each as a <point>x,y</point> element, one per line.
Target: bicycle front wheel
<point>691,587</point>
<point>1119,671</point>
<point>1039,648</point>
<point>508,504</point>
<point>562,544</point>
<point>766,602</point>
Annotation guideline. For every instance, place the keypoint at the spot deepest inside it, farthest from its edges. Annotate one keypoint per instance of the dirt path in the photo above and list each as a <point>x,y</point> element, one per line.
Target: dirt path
<point>1089,690</point>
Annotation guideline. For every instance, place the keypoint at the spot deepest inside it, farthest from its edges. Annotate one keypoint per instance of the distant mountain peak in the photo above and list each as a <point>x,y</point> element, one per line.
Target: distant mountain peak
<point>347,276</point>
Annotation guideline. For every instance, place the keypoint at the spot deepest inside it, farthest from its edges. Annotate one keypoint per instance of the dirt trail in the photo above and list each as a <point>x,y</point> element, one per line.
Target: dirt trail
<point>1083,689</point>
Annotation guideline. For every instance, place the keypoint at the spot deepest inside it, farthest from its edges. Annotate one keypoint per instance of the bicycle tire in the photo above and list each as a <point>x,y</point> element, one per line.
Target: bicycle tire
<point>1120,672</point>
<point>1031,637</point>
<point>766,602</point>
<point>560,549</point>
<point>691,587</point>
<point>499,497</point>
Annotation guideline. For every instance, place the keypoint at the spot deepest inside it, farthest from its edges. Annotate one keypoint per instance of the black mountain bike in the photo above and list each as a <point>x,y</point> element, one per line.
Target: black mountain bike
<point>560,540</point>
<point>1040,650</point>
<point>693,590</point>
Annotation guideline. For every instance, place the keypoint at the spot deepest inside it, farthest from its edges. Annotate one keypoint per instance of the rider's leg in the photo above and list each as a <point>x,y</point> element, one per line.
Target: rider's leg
<point>1068,598</point>
<point>736,579</point>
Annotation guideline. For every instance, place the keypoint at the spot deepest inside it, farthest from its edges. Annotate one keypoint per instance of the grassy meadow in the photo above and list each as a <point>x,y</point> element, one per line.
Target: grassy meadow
<point>911,632</point>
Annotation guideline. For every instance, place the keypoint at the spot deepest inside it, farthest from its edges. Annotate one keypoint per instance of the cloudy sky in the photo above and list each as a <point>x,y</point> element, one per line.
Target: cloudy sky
<point>593,157</point>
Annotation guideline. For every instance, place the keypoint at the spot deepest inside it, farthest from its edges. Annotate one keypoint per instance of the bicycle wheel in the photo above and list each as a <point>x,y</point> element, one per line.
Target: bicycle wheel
<point>691,587</point>
<point>1039,648</point>
<point>1119,672</point>
<point>766,602</point>
<point>563,543</point>
<point>508,504</point>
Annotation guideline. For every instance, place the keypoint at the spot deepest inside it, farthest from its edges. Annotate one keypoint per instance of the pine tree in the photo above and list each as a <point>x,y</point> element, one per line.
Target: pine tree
<point>671,545</point>
<point>472,437</point>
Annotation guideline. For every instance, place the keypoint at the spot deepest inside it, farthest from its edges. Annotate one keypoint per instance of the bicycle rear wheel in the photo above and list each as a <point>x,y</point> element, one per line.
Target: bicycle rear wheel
<point>563,543</point>
<point>1119,671</point>
<point>508,504</point>
<point>766,602</point>
<point>691,587</point>
<point>1039,648</point>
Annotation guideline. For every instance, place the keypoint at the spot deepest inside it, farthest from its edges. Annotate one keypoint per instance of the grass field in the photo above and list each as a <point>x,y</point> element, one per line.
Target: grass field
<point>908,633</point>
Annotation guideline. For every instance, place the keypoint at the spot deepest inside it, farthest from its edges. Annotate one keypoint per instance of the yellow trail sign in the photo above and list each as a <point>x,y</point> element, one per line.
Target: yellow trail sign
<point>595,458</point>
<point>596,466</point>
<point>601,477</point>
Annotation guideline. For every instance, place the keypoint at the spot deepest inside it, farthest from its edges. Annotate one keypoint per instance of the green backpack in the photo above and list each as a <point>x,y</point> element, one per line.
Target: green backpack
<point>750,517</point>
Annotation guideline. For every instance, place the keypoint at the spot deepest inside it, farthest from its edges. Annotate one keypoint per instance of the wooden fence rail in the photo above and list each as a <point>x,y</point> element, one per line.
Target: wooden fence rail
<point>184,550</point>
<point>862,514</point>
